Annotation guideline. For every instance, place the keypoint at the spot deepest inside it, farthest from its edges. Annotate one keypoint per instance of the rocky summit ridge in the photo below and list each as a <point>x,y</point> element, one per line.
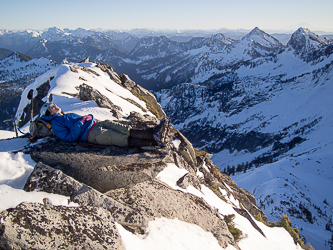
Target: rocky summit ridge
<point>113,191</point>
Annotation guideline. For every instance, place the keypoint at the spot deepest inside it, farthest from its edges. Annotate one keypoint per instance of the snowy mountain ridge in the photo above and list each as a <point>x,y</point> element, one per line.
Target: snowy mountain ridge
<point>262,37</point>
<point>181,199</point>
<point>122,50</point>
<point>268,119</point>
<point>199,59</point>
<point>309,46</point>
<point>158,62</point>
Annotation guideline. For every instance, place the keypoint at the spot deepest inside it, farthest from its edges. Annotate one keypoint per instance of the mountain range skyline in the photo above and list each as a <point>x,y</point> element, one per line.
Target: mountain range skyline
<point>140,32</point>
<point>179,15</point>
<point>124,42</point>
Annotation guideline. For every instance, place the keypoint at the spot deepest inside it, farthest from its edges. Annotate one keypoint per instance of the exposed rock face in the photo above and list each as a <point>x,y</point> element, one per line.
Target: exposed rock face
<point>87,93</point>
<point>103,169</point>
<point>37,226</point>
<point>189,180</point>
<point>215,179</point>
<point>113,75</point>
<point>137,90</point>
<point>47,179</point>
<point>156,199</point>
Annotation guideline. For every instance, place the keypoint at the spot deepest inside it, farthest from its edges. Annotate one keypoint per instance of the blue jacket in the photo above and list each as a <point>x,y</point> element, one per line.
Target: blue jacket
<point>68,127</point>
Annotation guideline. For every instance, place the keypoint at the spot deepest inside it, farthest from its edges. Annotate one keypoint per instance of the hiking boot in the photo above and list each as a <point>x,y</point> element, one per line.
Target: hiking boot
<point>160,131</point>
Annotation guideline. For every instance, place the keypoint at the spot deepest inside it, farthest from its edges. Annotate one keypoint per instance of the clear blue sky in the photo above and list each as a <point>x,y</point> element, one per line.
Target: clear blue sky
<point>167,14</point>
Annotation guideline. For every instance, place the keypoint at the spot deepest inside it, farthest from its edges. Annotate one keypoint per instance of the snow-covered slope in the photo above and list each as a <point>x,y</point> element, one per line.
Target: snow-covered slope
<point>163,233</point>
<point>269,120</point>
<point>22,69</point>
<point>67,82</point>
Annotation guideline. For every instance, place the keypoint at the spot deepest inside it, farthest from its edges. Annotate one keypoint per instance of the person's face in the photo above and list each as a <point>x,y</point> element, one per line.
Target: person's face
<point>54,109</point>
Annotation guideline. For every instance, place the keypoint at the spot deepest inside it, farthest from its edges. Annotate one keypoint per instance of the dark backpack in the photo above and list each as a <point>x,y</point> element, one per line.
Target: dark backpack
<point>40,128</point>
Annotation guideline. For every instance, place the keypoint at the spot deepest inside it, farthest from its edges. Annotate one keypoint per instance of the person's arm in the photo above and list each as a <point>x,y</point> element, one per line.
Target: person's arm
<point>67,134</point>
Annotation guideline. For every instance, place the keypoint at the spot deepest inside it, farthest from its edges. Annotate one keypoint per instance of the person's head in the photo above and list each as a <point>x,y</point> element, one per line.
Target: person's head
<point>50,109</point>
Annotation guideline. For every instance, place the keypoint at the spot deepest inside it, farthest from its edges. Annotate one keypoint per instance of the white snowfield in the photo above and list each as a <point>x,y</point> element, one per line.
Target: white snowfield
<point>162,233</point>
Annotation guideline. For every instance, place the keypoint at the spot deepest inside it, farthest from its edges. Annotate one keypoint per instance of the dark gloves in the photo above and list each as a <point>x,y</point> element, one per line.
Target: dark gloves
<point>85,118</point>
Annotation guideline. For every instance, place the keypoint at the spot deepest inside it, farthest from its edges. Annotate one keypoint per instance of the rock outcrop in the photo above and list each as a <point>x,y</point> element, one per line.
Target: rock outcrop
<point>156,199</point>
<point>38,226</point>
<point>47,179</point>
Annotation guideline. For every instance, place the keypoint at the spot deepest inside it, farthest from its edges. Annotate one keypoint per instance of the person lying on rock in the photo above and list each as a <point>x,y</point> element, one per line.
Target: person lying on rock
<point>72,127</point>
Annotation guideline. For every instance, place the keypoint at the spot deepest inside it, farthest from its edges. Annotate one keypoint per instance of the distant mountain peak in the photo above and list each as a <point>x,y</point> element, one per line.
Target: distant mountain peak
<point>304,35</point>
<point>256,31</point>
<point>220,38</point>
<point>55,30</point>
<point>304,31</point>
<point>261,37</point>
<point>304,42</point>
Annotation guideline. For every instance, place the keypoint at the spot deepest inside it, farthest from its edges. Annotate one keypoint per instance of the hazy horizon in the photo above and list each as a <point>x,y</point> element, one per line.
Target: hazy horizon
<point>268,15</point>
<point>318,32</point>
